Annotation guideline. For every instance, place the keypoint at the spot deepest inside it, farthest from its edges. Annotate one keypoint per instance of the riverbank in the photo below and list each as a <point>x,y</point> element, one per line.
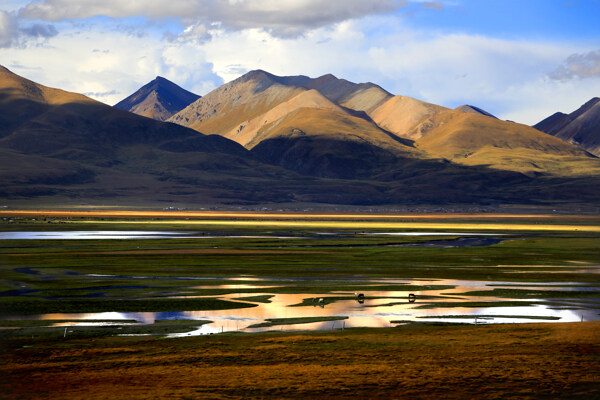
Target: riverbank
<point>557,360</point>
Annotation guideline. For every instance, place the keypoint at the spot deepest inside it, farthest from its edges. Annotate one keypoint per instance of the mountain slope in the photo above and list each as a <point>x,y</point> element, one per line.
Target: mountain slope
<point>255,93</point>
<point>158,99</point>
<point>247,132</point>
<point>581,127</point>
<point>228,106</point>
<point>306,131</point>
<point>65,145</point>
<point>400,114</point>
<point>52,122</point>
<point>474,139</point>
<point>337,115</point>
<point>329,143</point>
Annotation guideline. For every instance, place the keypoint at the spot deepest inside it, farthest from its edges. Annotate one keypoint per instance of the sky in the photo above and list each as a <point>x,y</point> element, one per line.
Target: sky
<point>521,60</point>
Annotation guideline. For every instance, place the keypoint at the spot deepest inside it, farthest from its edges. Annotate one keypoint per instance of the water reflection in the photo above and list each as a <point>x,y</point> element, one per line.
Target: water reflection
<point>203,235</point>
<point>128,235</point>
<point>364,309</point>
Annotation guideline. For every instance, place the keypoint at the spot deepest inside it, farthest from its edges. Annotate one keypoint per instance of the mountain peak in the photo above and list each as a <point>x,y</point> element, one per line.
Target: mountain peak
<point>257,74</point>
<point>158,99</point>
<point>472,109</point>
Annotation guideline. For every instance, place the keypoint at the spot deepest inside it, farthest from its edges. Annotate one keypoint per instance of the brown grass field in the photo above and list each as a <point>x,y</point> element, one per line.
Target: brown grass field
<point>501,222</point>
<point>99,213</point>
<point>524,361</point>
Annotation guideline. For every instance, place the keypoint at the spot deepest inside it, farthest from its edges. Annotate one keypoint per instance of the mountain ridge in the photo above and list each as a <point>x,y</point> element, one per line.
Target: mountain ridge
<point>581,127</point>
<point>254,107</point>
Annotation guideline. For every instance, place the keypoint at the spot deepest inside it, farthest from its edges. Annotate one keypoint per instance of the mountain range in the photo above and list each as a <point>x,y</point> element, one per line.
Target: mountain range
<point>264,139</point>
<point>302,124</point>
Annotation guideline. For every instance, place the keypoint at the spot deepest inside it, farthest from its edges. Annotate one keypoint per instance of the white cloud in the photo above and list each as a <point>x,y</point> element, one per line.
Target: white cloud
<point>108,61</point>
<point>108,65</point>
<point>578,65</point>
<point>11,34</point>
<point>40,30</point>
<point>283,18</point>
<point>507,77</point>
<point>8,29</point>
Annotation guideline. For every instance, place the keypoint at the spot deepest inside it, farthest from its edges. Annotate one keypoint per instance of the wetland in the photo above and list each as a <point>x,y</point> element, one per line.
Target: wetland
<point>290,289</point>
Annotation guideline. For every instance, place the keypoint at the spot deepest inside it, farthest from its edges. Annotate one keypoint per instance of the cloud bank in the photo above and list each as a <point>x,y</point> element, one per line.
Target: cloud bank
<point>11,32</point>
<point>284,18</point>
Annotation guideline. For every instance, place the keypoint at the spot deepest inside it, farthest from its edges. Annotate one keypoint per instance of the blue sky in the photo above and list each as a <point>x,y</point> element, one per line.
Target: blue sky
<point>520,60</point>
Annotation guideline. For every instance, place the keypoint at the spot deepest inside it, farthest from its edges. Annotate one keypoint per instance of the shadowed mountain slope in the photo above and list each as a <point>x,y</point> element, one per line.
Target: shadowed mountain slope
<point>52,122</point>
<point>581,127</point>
<point>159,100</point>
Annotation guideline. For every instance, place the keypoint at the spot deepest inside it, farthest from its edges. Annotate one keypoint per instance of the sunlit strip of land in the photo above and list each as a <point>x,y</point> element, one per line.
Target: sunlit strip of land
<point>366,225</point>
<point>282,215</point>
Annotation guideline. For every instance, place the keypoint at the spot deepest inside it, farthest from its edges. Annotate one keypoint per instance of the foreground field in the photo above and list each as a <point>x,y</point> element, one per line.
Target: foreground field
<point>525,361</point>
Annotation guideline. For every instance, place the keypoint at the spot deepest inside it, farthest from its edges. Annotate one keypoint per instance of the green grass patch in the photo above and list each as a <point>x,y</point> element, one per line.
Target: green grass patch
<point>257,299</point>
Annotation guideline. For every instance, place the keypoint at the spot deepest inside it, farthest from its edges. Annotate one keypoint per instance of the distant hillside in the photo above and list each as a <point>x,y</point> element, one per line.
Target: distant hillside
<point>159,100</point>
<point>475,139</point>
<point>581,127</point>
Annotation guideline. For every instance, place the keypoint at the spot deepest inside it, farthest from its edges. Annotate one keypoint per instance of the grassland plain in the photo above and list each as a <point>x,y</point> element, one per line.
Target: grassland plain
<point>296,254</point>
